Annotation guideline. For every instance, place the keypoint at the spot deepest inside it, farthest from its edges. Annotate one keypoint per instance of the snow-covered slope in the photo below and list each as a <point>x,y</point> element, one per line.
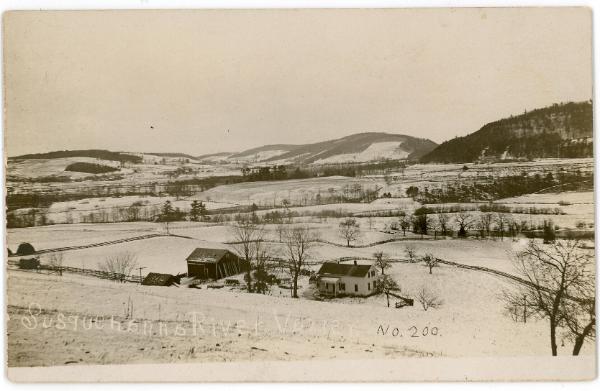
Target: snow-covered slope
<point>360,147</point>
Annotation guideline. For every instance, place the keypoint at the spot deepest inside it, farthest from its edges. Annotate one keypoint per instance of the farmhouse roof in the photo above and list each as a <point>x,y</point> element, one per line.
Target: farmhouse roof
<point>158,279</point>
<point>341,269</point>
<point>207,254</point>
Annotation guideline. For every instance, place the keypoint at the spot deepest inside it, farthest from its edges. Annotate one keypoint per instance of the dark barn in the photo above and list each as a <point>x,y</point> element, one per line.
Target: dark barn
<point>213,263</point>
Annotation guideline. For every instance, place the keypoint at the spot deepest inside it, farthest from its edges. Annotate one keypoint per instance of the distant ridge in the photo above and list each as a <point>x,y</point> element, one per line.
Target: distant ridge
<point>561,130</point>
<point>91,153</point>
<point>359,147</point>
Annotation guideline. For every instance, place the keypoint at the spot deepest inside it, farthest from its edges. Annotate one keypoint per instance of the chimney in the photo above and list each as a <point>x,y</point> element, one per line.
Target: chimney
<point>355,262</point>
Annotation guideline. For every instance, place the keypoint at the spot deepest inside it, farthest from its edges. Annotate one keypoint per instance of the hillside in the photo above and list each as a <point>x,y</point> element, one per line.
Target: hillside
<point>89,153</point>
<point>361,147</point>
<point>560,130</point>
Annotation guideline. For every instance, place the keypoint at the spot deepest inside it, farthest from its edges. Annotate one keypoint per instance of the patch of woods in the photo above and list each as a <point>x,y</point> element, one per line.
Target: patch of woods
<point>90,168</point>
<point>287,172</point>
<point>460,223</point>
<point>493,188</point>
<point>560,130</point>
<point>92,153</point>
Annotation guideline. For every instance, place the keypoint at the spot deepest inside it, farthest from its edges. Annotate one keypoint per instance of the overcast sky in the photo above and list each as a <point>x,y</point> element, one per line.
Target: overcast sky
<point>210,81</point>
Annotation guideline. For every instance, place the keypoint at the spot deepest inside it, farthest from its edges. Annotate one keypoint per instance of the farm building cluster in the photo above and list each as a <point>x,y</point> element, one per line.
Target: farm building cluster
<point>333,278</point>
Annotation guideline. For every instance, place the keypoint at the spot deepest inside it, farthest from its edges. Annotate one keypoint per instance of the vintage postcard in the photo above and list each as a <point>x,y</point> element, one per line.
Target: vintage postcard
<point>299,195</point>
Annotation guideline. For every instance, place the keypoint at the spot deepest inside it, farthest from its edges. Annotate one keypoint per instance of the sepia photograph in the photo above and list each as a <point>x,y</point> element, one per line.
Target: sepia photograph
<point>401,194</point>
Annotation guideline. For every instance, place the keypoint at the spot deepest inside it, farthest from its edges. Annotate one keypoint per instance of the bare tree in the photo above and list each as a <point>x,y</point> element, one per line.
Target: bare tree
<point>559,279</point>
<point>382,261</point>
<point>580,317</point>
<point>120,265</point>
<point>280,231</point>
<point>434,225</point>
<point>428,299</point>
<point>404,224</point>
<point>55,261</point>
<point>298,242</point>
<point>442,222</point>
<point>501,223</point>
<point>247,236</point>
<point>262,256</point>
<point>430,261</point>
<point>464,221</point>
<point>411,253</point>
<point>387,285</point>
<point>485,222</point>
<point>349,230</point>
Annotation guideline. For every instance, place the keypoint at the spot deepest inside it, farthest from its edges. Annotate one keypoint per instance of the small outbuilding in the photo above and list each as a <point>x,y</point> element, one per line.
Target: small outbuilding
<point>213,263</point>
<point>158,279</point>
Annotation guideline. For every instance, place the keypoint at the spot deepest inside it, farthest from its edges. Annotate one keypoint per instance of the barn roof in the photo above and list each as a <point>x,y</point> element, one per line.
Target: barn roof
<point>158,279</point>
<point>207,254</point>
<point>344,269</point>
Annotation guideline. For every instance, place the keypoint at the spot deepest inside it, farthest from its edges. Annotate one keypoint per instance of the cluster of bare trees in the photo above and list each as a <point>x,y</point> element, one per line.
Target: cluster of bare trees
<point>560,287</point>
<point>462,223</point>
<point>249,245</point>
<point>55,262</point>
<point>260,260</point>
<point>120,265</point>
<point>390,287</point>
<point>428,298</point>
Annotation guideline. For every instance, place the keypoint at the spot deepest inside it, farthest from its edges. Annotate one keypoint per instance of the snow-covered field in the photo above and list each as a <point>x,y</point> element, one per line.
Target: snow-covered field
<point>190,325</point>
<point>167,254</point>
<point>273,193</point>
<point>53,236</point>
<point>60,212</point>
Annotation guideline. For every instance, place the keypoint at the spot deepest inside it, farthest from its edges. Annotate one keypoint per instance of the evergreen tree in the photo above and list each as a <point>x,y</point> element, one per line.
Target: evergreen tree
<point>198,211</point>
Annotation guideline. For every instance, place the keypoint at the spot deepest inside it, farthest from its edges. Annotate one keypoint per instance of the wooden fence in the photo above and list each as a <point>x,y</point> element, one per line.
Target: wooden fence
<point>100,244</point>
<point>82,271</point>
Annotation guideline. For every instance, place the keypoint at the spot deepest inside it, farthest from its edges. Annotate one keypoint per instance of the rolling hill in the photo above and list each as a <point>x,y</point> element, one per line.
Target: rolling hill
<point>561,130</point>
<point>89,153</point>
<point>361,147</point>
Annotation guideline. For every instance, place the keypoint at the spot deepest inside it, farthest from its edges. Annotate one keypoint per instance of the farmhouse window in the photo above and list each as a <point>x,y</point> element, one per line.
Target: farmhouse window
<point>375,284</point>
<point>342,286</point>
<point>355,287</point>
<point>326,285</point>
<point>368,286</point>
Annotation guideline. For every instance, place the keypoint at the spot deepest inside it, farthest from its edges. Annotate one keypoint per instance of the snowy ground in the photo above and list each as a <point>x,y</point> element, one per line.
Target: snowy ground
<point>471,322</point>
<point>229,325</point>
<point>167,254</point>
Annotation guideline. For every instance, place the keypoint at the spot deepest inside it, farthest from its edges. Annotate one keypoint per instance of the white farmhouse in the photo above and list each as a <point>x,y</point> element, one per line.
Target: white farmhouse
<point>347,279</point>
